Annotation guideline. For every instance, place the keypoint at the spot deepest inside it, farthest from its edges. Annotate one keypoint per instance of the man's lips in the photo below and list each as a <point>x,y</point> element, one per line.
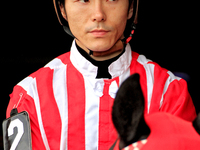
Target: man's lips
<point>98,33</point>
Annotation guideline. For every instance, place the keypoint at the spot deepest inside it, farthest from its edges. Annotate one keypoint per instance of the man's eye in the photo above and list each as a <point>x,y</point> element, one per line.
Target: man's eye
<point>83,1</point>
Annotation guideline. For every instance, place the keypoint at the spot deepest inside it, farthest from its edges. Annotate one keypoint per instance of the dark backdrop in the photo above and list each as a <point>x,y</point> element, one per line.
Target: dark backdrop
<point>32,36</point>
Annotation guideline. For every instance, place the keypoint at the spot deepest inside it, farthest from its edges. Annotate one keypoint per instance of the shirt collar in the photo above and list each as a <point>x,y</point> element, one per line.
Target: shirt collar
<point>86,68</point>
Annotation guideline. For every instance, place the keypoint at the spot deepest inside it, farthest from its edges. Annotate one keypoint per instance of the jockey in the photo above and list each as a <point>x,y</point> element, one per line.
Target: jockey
<point>69,100</point>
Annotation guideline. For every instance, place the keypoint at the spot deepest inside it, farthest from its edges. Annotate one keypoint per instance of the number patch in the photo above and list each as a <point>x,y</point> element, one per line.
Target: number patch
<point>17,133</point>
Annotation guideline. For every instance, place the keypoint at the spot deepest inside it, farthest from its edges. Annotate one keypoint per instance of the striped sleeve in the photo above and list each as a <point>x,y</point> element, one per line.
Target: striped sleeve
<point>23,102</point>
<point>176,99</point>
<point>163,91</point>
<point>34,94</point>
<point>43,95</point>
<point>170,94</point>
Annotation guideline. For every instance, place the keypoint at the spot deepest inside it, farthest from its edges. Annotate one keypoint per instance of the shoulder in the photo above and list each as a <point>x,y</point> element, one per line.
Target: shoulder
<point>46,72</point>
<point>158,84</point>
<point>152,71</point>
<point>27,89</point>
<point>59,61</point>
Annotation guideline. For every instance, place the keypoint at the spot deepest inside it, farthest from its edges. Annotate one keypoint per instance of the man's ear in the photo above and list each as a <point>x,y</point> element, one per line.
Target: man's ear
<point>130,12</point>
<point>63,11</point>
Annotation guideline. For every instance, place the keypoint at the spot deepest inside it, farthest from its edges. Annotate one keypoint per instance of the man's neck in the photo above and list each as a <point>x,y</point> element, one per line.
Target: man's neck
<point>103,65</point>
<point>106,55</point>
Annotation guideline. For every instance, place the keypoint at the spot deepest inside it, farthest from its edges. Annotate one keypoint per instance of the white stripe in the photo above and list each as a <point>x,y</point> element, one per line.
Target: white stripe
<point>170,79</point>
<point>93,93</point>
<point>30,85</point>
<point>124,76</point>
<point>149,68</point>
<point>55,63</point>
<point>172,76</point>
<point>26,82</point>
<point>60,94</point>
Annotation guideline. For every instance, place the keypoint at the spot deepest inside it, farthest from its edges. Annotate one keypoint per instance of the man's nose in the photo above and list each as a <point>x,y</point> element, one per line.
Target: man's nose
<point>98,13</point>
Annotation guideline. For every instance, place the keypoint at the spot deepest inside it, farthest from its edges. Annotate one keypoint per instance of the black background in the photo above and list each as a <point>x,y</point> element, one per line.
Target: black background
<point>167,33</point>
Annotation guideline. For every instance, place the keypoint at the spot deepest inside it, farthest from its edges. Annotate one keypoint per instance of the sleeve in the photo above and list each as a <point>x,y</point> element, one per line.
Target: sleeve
<point>23,102</point>
<point>177,100</point>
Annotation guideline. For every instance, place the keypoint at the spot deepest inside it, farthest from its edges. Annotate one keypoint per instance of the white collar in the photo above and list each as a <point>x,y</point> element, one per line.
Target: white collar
<point>86,68</point>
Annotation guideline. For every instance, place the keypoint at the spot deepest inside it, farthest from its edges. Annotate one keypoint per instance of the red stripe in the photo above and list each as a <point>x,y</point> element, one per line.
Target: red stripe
<point>37,142</point>
<point>76,109</point>
<point>107,132</point>
<point>49,110</point>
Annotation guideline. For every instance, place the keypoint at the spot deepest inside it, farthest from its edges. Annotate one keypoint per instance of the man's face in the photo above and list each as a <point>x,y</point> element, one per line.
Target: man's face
<point>96,24</point>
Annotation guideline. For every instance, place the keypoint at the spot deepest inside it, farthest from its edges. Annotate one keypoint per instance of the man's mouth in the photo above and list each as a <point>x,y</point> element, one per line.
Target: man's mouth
<point>99,32</point>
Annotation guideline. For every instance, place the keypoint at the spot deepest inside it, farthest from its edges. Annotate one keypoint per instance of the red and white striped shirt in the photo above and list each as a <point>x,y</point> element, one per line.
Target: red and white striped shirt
<point>70,109</point>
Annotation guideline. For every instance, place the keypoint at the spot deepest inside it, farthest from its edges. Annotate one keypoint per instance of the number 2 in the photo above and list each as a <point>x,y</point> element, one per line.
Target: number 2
<point>16,123</point>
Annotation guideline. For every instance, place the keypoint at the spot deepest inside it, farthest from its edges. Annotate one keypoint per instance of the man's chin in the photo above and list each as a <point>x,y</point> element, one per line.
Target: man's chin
<point>118,47</point>
<point>100,47</point>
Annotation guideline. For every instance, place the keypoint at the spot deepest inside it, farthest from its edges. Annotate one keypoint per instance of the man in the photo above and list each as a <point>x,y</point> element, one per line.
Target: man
<point>69,100</point>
